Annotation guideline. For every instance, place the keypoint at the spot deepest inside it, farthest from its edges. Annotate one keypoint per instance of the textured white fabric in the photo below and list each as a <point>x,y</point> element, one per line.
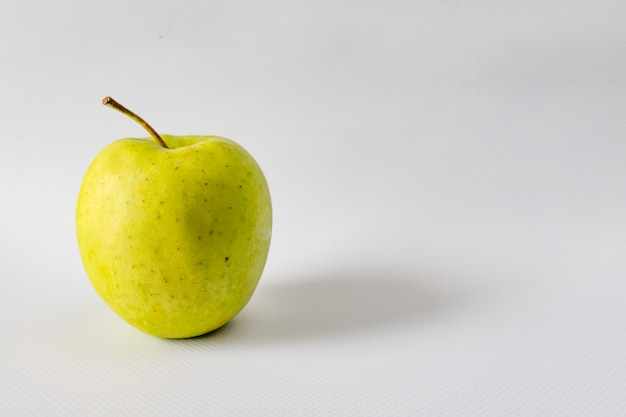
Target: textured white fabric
<point>449,194</point>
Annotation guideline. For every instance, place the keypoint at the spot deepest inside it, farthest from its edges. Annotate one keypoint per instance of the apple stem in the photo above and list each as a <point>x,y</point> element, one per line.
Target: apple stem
<point>109,101</point>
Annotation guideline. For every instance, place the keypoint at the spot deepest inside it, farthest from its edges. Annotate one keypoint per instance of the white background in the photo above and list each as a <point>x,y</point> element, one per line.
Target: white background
<point>449,188</point>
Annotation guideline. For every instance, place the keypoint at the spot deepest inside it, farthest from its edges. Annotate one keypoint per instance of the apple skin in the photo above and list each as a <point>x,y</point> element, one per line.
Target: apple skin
<point>174,240</point>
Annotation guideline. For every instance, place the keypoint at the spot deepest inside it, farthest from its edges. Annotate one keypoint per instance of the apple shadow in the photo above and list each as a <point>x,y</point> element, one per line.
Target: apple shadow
<point>329,306</point>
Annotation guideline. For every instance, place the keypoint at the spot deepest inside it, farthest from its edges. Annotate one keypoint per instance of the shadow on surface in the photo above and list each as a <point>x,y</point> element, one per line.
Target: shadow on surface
<point>327,306</point>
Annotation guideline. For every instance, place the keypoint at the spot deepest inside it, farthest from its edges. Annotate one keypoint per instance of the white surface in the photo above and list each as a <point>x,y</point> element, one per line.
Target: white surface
<point>449,190</point>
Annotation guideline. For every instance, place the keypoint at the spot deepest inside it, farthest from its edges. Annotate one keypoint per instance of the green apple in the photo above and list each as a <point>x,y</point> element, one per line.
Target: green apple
<point>174,231</point>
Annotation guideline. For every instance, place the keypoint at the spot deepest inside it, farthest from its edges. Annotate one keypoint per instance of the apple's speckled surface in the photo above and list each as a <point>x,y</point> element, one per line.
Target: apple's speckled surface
<point>174,240</point>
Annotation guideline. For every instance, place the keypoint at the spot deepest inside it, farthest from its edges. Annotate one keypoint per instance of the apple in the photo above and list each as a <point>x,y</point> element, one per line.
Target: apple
<point>174,231</point>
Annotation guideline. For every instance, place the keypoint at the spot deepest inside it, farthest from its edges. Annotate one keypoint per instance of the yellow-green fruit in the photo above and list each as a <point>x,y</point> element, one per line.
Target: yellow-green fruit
<point>174,240</point>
